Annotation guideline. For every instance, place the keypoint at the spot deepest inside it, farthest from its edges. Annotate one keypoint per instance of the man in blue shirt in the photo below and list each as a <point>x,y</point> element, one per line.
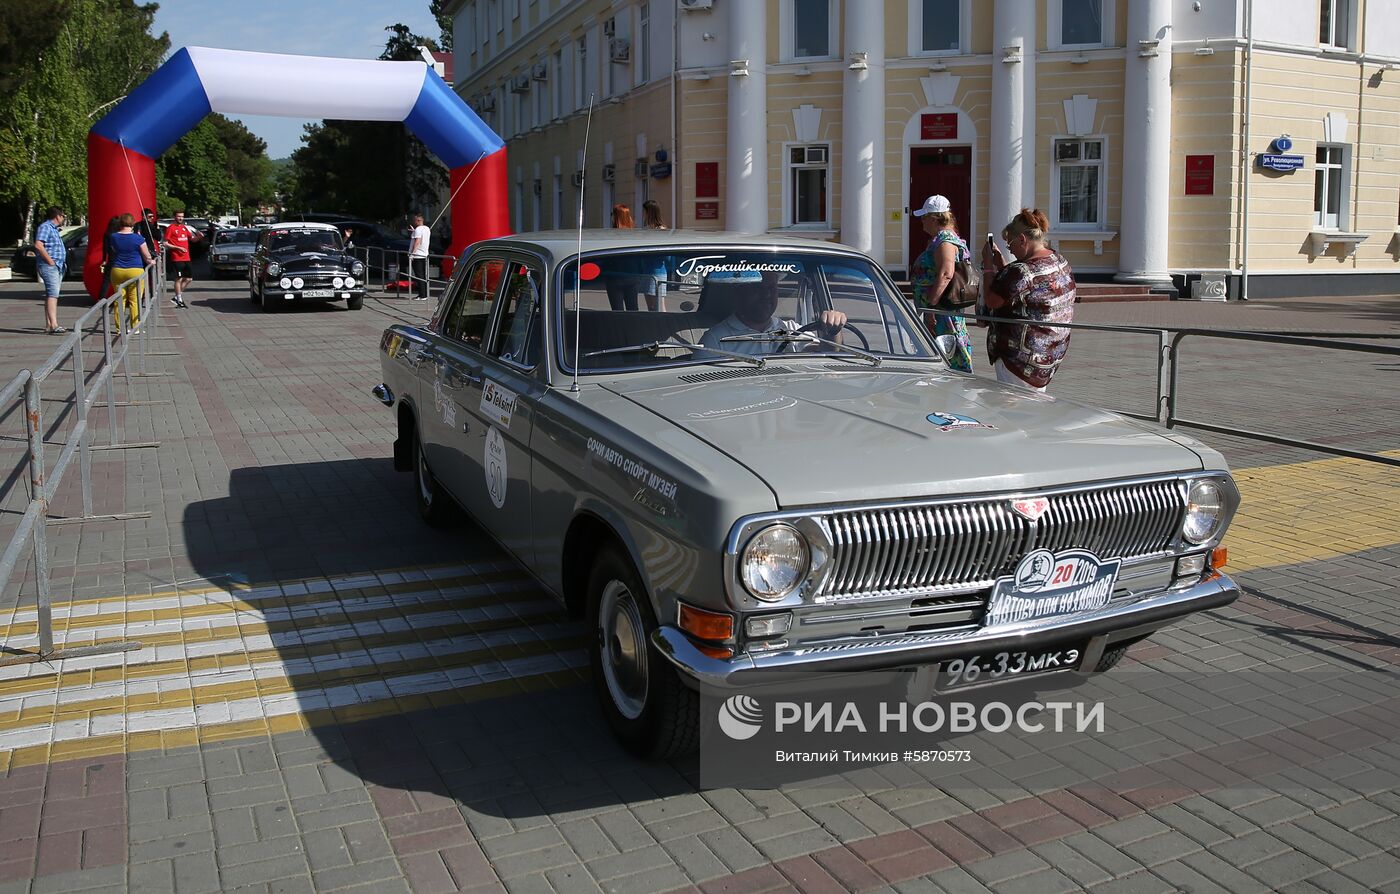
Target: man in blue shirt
<point>52,256</point>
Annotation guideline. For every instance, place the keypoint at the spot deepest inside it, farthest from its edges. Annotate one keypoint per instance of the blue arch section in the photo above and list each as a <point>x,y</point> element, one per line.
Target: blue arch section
<point>165,107</point>
<point>450,129</point>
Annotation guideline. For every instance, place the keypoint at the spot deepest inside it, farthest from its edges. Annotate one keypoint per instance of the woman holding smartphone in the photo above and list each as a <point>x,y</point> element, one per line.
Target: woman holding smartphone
<point>932,274</point>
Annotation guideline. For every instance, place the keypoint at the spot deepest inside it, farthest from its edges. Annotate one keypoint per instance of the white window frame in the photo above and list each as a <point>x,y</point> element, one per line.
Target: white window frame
<point>642,51</point>
<point>558,199</point>
<point>540,92</point>
<point>789,186</point>
<point>1056,165</point>
<point>916,30</point>
<point>1348,38</point>
<point>561,83</point>
<point>581,68</point>
<point>1055,21</point>
<point>605,54</point>
<point>1323,172</point>
<point>787,34</point>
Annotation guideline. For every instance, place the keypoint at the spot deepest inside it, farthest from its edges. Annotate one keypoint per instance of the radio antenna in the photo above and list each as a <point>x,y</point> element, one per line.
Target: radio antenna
<point>578,257</point>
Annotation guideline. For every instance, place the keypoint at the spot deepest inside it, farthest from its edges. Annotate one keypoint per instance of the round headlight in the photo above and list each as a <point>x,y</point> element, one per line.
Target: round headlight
<point>286,282</point>
<point>774,562</point>
<point>298,282</point>
<point>349,282</point>
<point>338,282</point>
<point>357,268</point>
<point>1204,507</point>
<point>273,268</point>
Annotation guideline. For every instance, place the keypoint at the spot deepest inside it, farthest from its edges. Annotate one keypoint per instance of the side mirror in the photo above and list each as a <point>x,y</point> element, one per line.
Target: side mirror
<point>947,346</point>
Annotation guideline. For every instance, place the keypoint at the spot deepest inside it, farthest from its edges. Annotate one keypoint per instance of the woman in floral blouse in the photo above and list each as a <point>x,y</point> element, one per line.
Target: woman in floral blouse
<point>932,273</point>
<point>1027,296</point>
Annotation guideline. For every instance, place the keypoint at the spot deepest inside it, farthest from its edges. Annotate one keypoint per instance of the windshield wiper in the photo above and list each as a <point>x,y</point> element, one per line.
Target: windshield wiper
<point>654,347</point>
<point>793,336</point>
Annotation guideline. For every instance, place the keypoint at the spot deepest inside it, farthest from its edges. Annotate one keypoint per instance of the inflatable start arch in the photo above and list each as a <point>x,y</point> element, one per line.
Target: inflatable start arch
<point>124,145</point>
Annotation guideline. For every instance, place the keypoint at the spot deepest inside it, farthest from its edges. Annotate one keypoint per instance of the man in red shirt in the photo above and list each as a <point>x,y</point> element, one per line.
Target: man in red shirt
<point>177,243</point>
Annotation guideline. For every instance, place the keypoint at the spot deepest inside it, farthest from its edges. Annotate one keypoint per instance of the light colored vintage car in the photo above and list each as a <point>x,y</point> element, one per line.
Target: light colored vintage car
<point>738,455</point>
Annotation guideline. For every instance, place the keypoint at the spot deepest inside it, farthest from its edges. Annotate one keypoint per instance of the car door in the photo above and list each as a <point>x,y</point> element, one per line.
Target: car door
<point>452,383</point>
<point>507,399</point>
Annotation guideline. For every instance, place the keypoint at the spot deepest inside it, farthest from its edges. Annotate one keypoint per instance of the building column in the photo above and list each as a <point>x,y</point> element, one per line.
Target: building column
<point>863,129</point>
<point>1143,232</point>
<point>746,164</point>
<point>1012,174</point>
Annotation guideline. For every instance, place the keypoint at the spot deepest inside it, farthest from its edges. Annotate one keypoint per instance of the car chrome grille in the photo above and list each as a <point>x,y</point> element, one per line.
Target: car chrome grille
<point>925,548</point>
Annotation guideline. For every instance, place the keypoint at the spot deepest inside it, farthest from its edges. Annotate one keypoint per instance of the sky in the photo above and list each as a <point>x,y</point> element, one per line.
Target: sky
<point>349,28</point>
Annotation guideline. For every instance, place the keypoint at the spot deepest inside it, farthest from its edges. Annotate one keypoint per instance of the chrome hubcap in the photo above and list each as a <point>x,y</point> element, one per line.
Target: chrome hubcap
<point>623,639</point>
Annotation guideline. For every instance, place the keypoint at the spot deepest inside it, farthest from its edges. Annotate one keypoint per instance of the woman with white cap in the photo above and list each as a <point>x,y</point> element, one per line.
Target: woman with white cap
<point>932,273</point>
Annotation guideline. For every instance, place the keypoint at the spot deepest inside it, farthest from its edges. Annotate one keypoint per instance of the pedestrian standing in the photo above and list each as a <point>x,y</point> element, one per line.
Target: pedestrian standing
<point>932,274</point>
<point>150,231</point>
<point>418,256</point>
<point>130,258</point>
<point>656,292</point>
<point>1027,297</point>
<point>50,263</point>
<point>114,224</point>
<point>178,239</point>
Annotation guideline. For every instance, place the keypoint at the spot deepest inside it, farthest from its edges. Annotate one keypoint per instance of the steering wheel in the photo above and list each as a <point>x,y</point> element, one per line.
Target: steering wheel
<point>818,324</point>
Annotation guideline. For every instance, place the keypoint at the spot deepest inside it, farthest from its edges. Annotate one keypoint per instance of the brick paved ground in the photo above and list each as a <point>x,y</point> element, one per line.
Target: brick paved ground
<point>333,697</point>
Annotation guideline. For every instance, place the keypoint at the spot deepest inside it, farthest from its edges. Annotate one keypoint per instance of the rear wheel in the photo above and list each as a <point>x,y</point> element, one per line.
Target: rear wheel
<point>648,707</point>
<point>433,503</point>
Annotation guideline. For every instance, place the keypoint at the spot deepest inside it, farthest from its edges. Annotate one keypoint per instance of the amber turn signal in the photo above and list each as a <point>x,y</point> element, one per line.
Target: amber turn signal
<point>701,624</point>
<point>715,651</point>
<point>1219,556</point>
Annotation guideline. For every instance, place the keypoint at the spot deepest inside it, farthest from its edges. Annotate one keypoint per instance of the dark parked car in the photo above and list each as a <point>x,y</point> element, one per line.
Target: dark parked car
<point>386,248</point>
<point>231,250</point>
<point>23,263</point>
<point>296,262</point>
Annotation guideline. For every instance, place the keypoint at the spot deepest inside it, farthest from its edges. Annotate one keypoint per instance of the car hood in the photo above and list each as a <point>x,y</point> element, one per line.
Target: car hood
<point>300,262</point>
<point>848,435</point>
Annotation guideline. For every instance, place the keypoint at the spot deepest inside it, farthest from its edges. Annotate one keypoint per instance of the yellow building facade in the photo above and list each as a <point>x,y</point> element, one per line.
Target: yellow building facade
<point>1251,146</point>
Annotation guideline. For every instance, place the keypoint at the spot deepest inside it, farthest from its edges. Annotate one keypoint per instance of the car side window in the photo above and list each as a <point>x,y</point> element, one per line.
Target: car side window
<point>467,318</point>
<point>517,337</point>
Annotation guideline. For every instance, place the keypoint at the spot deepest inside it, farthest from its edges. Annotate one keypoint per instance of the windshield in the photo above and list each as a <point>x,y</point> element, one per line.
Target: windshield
<point>236,237</point>
<point>671,308</point>
<point>305,240</point>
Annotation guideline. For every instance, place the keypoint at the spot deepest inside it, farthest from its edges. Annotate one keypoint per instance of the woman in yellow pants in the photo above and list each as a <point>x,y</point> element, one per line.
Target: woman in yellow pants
<point>130,257</point>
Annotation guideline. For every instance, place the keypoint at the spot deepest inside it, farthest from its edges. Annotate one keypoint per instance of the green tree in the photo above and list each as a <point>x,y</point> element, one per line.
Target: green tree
<point>193,174</point>
<point>247,161</point>
<point>444,23</point>
<point>101,49</point>
<point>28,29</point>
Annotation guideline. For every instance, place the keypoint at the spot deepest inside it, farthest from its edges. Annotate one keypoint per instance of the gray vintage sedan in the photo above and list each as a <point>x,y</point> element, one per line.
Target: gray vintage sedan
<point>741,456</point>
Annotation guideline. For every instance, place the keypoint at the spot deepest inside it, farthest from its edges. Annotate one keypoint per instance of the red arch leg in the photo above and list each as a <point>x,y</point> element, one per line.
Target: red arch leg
<point>119,180</point>
<point>481,209</point>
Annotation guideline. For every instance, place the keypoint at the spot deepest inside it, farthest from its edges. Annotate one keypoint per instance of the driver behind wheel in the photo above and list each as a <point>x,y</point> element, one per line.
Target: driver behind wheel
<point>755,302</point>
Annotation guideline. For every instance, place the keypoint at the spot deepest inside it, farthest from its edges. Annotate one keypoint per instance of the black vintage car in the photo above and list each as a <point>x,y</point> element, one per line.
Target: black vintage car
<point>296,262</point>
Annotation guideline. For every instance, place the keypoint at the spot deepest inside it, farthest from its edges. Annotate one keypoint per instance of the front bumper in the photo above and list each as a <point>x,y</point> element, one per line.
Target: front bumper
<point>1118,621</point>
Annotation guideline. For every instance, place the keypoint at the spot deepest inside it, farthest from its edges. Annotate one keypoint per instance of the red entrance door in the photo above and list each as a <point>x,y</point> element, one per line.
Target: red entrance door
<point>939,171</point>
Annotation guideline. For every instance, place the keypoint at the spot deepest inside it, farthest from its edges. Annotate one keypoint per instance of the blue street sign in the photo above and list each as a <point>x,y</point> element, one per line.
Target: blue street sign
<point>1280,162</point>
<point>1282,144</point>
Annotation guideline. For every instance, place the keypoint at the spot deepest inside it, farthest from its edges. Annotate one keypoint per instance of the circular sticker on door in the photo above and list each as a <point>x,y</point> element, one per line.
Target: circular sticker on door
<point>496,466</point>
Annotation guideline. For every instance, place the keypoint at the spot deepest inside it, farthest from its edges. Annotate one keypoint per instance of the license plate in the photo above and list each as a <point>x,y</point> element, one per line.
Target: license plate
<point>317,293</point>
<point>977,670</point>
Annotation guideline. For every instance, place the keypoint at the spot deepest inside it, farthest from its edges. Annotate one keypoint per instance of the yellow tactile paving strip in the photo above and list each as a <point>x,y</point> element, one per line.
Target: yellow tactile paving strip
<point>1303,512</point>
<point>303,639</point>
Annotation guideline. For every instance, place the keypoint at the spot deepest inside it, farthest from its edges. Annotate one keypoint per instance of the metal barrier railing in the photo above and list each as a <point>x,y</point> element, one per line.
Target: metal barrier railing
<point>1169,339</point>
<point>382,261</point>
<point>44,484</point>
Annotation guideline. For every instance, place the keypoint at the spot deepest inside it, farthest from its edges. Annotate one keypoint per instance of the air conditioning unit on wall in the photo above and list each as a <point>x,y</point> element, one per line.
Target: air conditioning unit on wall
<point>540,72</point>
<point>609,173</point>
<point>620,49</point>
<point>697,4</point>
<point>577,179</point>
<point>520,84</point>
<point>487,103</point>
<point>639,170</point>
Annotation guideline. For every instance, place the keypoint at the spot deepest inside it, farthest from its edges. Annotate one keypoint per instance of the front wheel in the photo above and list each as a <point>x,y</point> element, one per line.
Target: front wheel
<point>355,302</point>
<point>647,706</point>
